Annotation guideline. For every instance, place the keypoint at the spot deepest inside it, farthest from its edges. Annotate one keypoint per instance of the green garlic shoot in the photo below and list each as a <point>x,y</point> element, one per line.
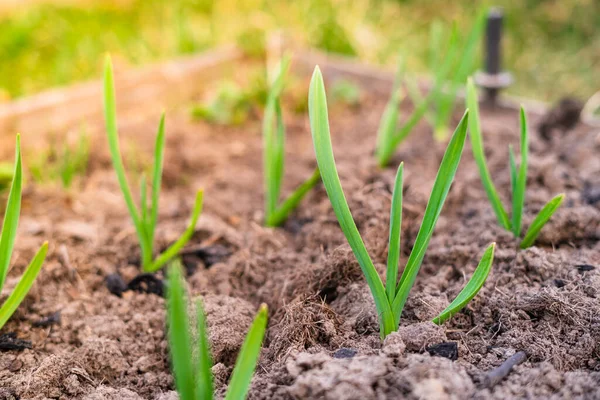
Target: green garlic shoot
<point>146,217</point>
<point>391,298</point>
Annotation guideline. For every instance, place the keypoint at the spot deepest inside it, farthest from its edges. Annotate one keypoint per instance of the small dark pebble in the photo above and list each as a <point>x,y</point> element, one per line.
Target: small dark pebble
<point>559,283</point>
<point>147,283</point>
<point>52,319</point>
<point>295,225</point>
<point>585,267</point>
<point>115,284</point>
<point>562,116</point>
<point>213,254</point>
<point>591,194</point>
<point>344,352</point>
<point>9,341</point>
<point>447,350</point>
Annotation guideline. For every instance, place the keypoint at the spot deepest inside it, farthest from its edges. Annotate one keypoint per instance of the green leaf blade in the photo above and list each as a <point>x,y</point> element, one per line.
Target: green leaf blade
<point>180,341</point>
<point>480,159</point>
<point>110,118</point>
<point>395,234</point>
<point>540,220</point>
<point>282,212</point>
<point>174,249</point>
<point>319,122</point>
<point>521,180</point>
<point>471,288</point>
<point>248,357</point>
<point>22,288</point>
<point>204,380</point>
<point>11,216</point>
<point>439,192</point>
<point>389,118</point>
<point>159,152</point>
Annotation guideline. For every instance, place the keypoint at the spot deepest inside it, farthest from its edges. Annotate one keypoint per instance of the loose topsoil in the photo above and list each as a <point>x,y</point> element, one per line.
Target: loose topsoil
<point>322,340</point>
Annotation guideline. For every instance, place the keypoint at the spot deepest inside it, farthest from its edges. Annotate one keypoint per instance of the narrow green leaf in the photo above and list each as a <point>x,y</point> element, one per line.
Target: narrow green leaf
<point>395,233</point>
<point>540,220</point>
<point>174,249</point>
<point>385,153</point>
<point>248,357</point>
<point>439,192</point>
<point>479,156</point>
<point>414,93</point>
<point>435,45</point>
<point>204,380</point>
<point>472,288</point>
<point>513,170</point>
<point>11,216</point>
<point>274,140</point>
<point>278,155</point>
<point>110,118</point>
<point>178,328</point>
<point>389,118</point>
<point>521,182</point>
<point>144,203</point>
<point>319,123</point>
<point>282,212</point>
<point>159,151</point>
<point>465,66</point>
<point>22,288</point>
<point>269,151</point>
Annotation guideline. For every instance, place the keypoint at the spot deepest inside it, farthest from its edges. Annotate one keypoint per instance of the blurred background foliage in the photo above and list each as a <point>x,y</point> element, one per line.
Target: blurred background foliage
<point>551,46</point>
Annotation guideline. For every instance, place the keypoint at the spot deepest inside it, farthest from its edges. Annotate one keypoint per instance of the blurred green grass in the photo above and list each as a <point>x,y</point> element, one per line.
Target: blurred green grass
<point>551,46</point>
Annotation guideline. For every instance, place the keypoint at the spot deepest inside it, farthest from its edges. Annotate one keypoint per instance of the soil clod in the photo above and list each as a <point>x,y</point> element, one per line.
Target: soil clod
<point>447,350</point>
<point>9,341</point>
<point>8,394</point>
<point>115,284</point>
<point>147,283</point>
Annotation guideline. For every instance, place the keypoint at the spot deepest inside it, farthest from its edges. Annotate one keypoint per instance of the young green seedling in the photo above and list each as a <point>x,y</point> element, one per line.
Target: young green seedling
<point>274,156</point>
<point>144,219</point>
<point>193,378</point>
<point>389,134</point>
<point>7,241</point>
<point>391,298</point>
<point>518,177</point>
<point>450,75</point>
<point>62,162</point>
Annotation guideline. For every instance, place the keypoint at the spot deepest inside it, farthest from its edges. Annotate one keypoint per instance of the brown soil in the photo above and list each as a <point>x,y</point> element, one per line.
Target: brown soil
<point>323,339</point>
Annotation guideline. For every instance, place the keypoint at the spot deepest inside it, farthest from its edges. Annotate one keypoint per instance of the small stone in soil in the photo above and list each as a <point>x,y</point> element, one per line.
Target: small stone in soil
<point>9,341</point>
<point>447,350</point>
<point>52,319</point>
<point>15,366</point>
<point>213,254</point>
<point>559,283</point>
<point>591,194</point>
<point>147,283</point>
<point>585,267</point>
<point>344,352</point>
<point>115,284</point>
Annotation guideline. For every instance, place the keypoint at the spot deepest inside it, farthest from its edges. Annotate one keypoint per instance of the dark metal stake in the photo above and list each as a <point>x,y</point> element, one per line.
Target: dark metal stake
<point>493,79</point>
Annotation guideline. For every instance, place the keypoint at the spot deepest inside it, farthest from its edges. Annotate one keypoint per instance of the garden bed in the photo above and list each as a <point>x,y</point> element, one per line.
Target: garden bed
<point>323,338</point>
